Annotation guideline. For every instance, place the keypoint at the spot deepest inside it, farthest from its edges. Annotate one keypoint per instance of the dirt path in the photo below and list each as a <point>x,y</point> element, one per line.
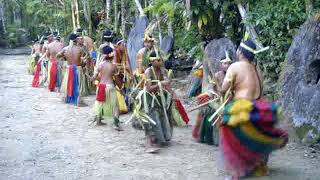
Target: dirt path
<point>43,138</point>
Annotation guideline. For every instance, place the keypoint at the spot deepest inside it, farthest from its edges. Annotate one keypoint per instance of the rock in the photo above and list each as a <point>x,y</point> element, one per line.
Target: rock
<point>214,52</point>
<point>135,39</point>
<point>309,137</point>
<point>300,80</point>
<point>167,44</point>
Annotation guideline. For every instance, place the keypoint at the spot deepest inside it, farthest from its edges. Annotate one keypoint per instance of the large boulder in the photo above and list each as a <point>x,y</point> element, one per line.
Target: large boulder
<point>214,52</point>
<point>135,39</point>
<point>300,83</point>
<point>167,44</point>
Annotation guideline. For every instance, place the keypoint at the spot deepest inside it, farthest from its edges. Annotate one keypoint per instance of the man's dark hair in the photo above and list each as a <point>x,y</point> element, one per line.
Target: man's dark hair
<point>249,55</point>
<point>107,36</point>
<point>107,50</point>
<point>73,37</point>
<point>153,54</point>
<point>79,30</point>
<point>55,33</point>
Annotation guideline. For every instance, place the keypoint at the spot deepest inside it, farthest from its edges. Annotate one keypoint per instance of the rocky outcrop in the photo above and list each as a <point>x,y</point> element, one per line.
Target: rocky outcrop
<point>167,44</point>
<point>214,52</point>
<point>135,39</point>
<point>300,83</point>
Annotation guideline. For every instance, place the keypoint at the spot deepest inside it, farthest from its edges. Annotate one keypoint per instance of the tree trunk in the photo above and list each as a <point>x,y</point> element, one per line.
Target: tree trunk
<point>139,7</point>
<point>108,2</point>
<point>2,17</point>
<point>87,15</point>
<point>116,17</point>
<point>159,28</point>
<point>249,28</point>
<point>309,6</point>
<point>77,14</point>
<point>73,15</point>
<point>123,18</point>
<point>170,28</point>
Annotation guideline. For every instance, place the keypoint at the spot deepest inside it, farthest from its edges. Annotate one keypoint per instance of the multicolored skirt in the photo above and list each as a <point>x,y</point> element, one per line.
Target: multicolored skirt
<point>44,72</point>
<point>36,76</point>
<point>74,84</point>
<point>248,136</point>
<point>106,105</point>
<point>32,62</point>
<point>123,109</point>
<point>203,131</point>
<point>54,75</point>
<point>179,113</point>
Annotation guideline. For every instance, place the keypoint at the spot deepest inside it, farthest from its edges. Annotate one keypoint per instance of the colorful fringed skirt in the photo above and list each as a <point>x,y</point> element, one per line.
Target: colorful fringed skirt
<point>179,114</point>
<point>32,62</point>
<point>203,131</point>
<point>74,84</point>
<point>54,74</point>
<point>44,72</point>
<point>106,105</point>
<point>248,136</point>
<point>36,75</point>
<point>123,108</point>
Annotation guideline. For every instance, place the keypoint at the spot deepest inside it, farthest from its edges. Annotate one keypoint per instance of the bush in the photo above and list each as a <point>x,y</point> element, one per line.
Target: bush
<point>276,22</point>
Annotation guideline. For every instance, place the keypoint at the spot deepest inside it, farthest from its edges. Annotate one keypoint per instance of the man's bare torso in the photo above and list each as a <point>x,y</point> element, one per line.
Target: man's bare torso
<point>139,61</point>
<point>37,48</point>
<point>247,80</point>
<point>73,55</point>
<point>54,48</point>
<point>107,70</point>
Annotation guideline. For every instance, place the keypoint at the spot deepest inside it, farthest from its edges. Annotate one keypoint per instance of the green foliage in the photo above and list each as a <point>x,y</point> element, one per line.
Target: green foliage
<point>163,7</point>
<point>276,22</point>
<point>205,15</point>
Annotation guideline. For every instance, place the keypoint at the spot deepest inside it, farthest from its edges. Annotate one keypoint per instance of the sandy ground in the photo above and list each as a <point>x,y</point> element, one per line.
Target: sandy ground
<point>43,138</point>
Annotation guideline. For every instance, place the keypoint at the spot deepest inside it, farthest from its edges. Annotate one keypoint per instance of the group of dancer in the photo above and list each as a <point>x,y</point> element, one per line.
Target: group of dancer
<point>245,131</point>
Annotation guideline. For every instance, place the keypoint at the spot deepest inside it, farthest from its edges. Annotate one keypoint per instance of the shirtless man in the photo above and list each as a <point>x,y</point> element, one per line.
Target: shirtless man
<point>36,48</point>
<point>219,76</point>
<point>72,88</point>
<point>203,131</point>
<point>87,41</point>
<point>106,105</point>
<point>142,59</point>
<point>247,78</point>
<point>35,56</point>
<point>106,40</point>
<point>46,40</point>
<point>243,118</point>
<point>54,66</point>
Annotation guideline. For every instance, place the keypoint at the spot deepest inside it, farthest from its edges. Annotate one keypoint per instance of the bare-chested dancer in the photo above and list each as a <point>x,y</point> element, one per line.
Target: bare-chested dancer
<point>35,56</point>
<point>203,131</point>
<point>73,85</point>
<point>142,59</point>
<point>54,66</point>
<point>46,40</point>
<point>248,132</point>
<point>106,105</point>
